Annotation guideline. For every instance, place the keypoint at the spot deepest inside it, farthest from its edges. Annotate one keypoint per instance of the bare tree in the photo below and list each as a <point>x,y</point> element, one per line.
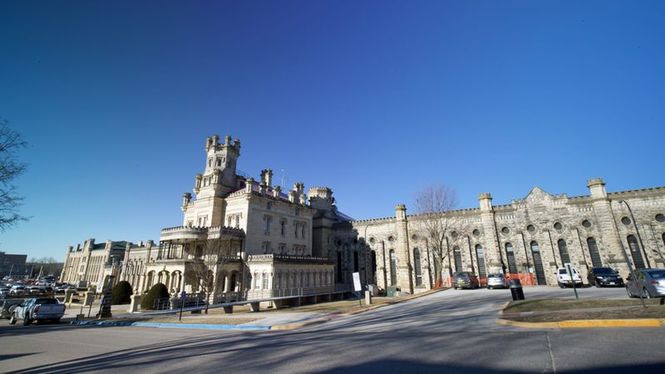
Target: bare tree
<point>10,169</point>
<point>212,255</point>
<point>432,203</point>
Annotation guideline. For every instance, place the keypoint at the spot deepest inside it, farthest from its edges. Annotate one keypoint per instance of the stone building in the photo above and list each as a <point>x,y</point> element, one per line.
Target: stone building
<point>244,238</point>
<point>247,237</point>
<point>91,262</point>
<point>528,238</point>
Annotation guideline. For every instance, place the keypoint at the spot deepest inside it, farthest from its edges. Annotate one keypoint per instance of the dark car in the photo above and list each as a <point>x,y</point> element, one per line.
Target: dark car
<point>602,277</point>
<point>465,279</point>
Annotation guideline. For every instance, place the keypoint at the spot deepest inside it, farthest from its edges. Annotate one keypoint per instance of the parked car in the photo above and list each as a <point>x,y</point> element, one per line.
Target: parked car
<point>496,280</point>
<point>7,306</point>
<point>604,276</point>
<point>465,279</point>
<point>61,288</point>
<point>36,290</point>
<point>4,291</point>
<point>563,279</point>
<point>17,290</point>
<point>38,309</point>
<point>648,283</point>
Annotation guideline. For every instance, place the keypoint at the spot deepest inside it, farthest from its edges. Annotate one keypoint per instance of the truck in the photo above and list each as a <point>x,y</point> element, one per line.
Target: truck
<point>38,309</point>
<point>563,278</point>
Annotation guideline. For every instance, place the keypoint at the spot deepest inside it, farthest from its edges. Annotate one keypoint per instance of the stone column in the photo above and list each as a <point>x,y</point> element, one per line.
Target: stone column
<point>493,255</point>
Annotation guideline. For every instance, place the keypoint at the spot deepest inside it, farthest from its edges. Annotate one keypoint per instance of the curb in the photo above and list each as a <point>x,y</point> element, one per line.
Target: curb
<point>586,323</point>
<point>200,326</point>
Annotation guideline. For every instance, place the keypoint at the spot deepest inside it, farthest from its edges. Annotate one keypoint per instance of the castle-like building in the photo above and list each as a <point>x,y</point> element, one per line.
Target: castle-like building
<point>242,238</point>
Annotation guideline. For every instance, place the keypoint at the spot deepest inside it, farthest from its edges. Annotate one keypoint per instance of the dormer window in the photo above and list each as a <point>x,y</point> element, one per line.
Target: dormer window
<point>219,162</point>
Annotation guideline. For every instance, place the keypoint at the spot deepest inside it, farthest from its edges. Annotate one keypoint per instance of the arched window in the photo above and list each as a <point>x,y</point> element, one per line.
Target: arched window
<point>417,267</point>
<point>480,256</point>
<point>393,268</point>
<point>593,253</point>
<point>563,251</point>
<point>355,261</point>
<point>510,255</point>
<point>457,254</point>
<point>373,268</point>
<point>635,251</point>
<point>538,263</point>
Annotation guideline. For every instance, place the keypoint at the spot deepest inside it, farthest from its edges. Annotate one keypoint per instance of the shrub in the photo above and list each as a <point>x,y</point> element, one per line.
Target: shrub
<point>121,293</point>
<point>157,291</point>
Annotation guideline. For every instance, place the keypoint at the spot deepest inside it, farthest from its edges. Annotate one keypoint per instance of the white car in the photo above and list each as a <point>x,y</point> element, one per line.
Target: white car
<point>563,279</point>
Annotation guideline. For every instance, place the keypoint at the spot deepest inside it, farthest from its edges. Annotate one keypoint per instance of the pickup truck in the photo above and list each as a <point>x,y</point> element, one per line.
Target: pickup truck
<point>38,309</point>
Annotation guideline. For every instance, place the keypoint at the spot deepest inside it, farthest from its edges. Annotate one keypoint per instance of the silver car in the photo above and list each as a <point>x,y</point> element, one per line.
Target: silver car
<point>647,283</point>
<point>496,280</point>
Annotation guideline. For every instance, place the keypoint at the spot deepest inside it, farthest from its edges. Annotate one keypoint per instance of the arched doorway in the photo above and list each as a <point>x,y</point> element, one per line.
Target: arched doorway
<point>538,263</point>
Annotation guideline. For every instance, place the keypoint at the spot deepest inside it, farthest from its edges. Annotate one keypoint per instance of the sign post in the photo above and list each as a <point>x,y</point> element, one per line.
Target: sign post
<point>357,287</point>
<point>183,295</point>
<point>569,270</point>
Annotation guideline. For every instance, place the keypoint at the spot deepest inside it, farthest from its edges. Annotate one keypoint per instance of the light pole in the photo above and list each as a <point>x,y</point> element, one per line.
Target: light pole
<point>639,237</point>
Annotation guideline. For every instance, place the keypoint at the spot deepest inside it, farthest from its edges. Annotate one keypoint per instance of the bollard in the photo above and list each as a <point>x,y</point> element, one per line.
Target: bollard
<point>368,297</point>
<point>516,290</point>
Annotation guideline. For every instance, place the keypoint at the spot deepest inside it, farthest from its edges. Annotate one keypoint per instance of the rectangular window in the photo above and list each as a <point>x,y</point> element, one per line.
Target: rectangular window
<point>268,219</point>
<point>282,248</point>
<point>302,230</point>
<point>238,221</point>
<point>283,227</point>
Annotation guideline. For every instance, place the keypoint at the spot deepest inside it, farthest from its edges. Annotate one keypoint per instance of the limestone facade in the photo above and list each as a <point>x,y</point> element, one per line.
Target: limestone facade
<point>256,241</point>
<point>528,238</point>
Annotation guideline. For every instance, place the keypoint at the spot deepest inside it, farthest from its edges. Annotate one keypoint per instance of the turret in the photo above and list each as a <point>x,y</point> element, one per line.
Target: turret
<point>597,188</point>
<point>485,200</point>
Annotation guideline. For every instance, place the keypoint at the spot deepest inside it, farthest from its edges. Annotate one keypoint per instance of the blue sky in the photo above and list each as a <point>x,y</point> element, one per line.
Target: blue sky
<point>375,99</point>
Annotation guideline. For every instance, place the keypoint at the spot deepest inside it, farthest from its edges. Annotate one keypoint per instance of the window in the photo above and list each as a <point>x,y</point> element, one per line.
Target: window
<point>339,267</point>
<point>297,212</point>
<point>282,248</point>
<point>625,220</point>
<point>531,228</point>
<point>510,255</point>
<point>257,281</point>
<point>505,231</point>
<point>302,230</point>
<point>660,217</point>
<point>480,255</point>
<point>563,251</point>
<point>295,225</point>
<point>219,162</point>
<point>635,251</point>
<point>265,246</point>
<point>476,232</point>
<point>593,253</point>
<point>417,267</point>
<point>228,221</point>
<point>282,227</point>
<point>586,223</point>
<point>268,220</point>
<point>269,205</point>
<point>393,268</point>
<point>457,254</point>
<point>237,221</point>
<point>558,226</point>
<point>209,162</point>
<point>265,281</point>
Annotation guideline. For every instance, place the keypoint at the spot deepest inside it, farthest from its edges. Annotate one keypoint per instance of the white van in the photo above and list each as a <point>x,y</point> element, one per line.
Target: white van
<point>563,279</point>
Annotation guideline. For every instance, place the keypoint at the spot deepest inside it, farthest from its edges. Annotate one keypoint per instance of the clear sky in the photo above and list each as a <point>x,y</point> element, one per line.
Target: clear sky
<point>374,99</point>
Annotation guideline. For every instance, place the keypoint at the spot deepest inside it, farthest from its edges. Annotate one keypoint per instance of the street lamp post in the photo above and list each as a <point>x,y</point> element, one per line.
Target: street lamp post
<point>639,237</point>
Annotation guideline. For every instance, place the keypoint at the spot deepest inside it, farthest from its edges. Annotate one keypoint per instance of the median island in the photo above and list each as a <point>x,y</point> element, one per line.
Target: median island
<point>559,310</point>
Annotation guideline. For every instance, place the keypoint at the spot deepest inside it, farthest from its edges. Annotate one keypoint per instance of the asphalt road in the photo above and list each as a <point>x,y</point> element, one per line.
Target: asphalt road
<point>447,332</point>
